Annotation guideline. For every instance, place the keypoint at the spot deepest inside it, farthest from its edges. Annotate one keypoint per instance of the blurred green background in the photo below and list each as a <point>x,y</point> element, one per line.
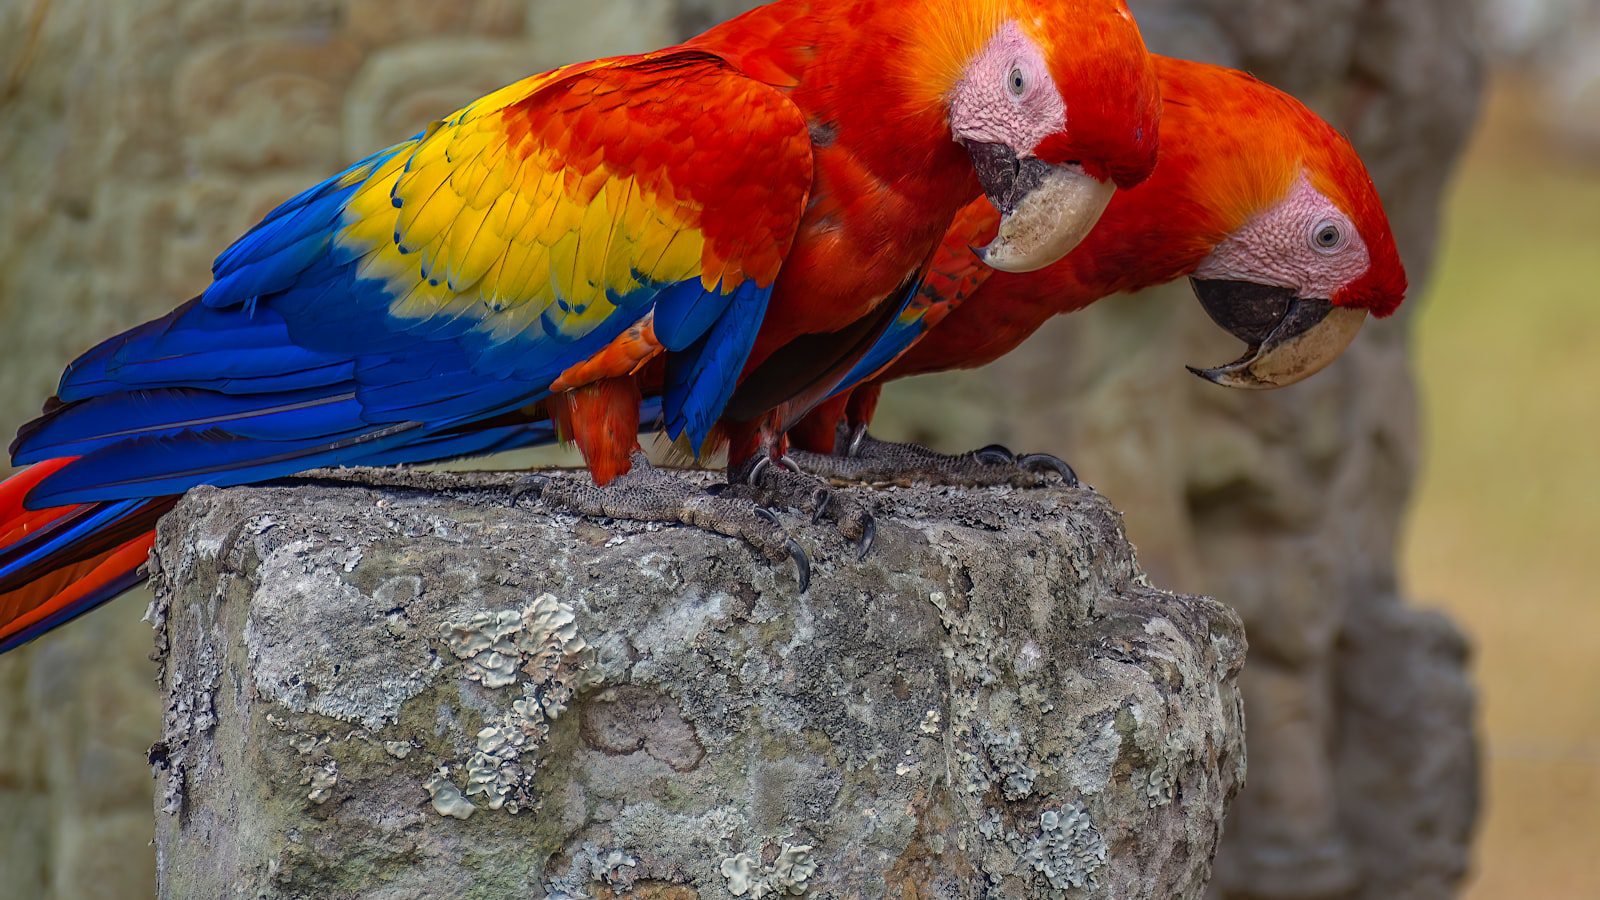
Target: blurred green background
<point>1505,533</point>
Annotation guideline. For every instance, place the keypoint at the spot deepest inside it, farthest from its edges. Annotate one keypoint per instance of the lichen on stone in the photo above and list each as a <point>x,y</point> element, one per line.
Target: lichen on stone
<point>1068,849</point>
<point>1008,761</point>
<point>727,717</point>
<point>787,876</point>
<point>492,772</point>
<point>446,797</point>
<point>1162,777</point>
<point>322,779</point>
<point>613,869</point>
<point>539,648</point>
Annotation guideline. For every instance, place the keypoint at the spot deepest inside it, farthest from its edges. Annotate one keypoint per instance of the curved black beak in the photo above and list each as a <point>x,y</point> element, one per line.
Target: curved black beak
<point>1290,338</point>
<point>1046,210</point>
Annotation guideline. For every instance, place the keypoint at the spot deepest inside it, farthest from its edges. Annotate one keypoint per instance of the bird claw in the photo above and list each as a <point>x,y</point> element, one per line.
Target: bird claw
<point>821,499</point>
<point>1044,463</point>
<point>995,455</point>
<point>753,477</point>
<point>851,446</point>
<point>531,485</point>
<point>869,535</point>
<point>802,565</point>
<point>802,562</point>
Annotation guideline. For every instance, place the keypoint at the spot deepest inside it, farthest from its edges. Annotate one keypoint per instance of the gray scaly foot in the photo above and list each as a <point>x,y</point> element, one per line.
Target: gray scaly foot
<point>782,483</point>
<point>865,459</point>
<point>648,494</point>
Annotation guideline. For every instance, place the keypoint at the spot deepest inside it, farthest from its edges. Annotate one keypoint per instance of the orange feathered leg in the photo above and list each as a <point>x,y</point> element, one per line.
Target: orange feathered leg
<point>602,418</point>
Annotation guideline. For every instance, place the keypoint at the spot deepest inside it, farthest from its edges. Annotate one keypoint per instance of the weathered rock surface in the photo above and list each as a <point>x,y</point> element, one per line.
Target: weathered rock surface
<point>428,686</point>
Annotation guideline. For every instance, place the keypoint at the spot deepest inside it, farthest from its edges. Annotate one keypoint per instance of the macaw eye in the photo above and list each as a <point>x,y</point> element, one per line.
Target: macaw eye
<point>1327,237</point>
<point>1017,82</point>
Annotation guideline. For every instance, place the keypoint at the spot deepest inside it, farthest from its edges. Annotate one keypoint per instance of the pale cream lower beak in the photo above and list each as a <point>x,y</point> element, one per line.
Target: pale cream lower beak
<point>1046,210</point>
<point>1290,338</point>
<point>1048,221</point>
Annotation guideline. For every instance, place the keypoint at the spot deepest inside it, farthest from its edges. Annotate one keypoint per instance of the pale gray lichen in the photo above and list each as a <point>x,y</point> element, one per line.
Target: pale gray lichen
<point>613,869</point>
<point>1068,850</point>
<point>539,647</point>
<point>909,766</point>
<point>492,771</point>
<point>1161,781</point>
<point>785,877</point>
<point>487,642</point>
<point>1008,760</point>
<point>190,714</point>
<point>322,779</point>
<point>446,797</point>
<point>1094,757</point>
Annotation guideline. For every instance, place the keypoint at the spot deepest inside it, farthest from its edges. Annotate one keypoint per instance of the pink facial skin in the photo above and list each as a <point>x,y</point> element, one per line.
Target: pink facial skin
<point>1008,96</point>
<point>1287,246</point>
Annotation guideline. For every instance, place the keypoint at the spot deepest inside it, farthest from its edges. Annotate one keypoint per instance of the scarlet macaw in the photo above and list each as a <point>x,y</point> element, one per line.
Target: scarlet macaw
<point>789,172</point>
<point>1266,207</point>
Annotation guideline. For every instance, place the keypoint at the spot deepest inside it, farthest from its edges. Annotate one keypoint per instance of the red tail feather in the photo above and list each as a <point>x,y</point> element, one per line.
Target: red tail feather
<point>85,574</point>
<point>69,586</point>
<point>14,490</point>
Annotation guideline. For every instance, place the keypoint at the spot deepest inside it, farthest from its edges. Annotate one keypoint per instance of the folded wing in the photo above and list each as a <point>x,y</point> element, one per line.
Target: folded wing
<point>452,278</point>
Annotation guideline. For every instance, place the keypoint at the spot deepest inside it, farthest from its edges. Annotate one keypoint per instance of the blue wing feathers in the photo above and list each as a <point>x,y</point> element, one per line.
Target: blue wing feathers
<point>701,378</point>
<point>684,312</point>
<point>291,359</point>
<point>894,342</point>
<point>292,237</point>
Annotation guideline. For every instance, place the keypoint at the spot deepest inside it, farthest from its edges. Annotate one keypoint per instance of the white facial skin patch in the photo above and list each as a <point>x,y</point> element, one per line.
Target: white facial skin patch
<point>988,108</point>
<point>1280,247</point>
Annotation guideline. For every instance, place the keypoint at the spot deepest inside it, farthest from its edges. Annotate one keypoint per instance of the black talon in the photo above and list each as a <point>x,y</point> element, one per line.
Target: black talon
<point>995,455</point>
<point>788,463</point>
<point>754,477</point>
<point>869,534</point>
<point>802,565</point>
<point>1044,462</point>
<point>533,485</point>
<point>823,498</point>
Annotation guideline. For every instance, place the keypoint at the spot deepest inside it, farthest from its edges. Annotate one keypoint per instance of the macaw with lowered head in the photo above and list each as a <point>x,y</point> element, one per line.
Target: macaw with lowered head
<point>1259,201</point>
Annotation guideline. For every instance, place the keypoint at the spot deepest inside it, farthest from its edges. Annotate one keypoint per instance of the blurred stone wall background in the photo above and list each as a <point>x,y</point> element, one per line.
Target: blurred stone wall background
<point>138,136</point>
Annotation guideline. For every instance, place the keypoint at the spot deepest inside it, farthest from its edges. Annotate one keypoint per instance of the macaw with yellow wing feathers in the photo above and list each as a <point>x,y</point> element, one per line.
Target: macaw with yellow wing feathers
<point>742,215</point>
